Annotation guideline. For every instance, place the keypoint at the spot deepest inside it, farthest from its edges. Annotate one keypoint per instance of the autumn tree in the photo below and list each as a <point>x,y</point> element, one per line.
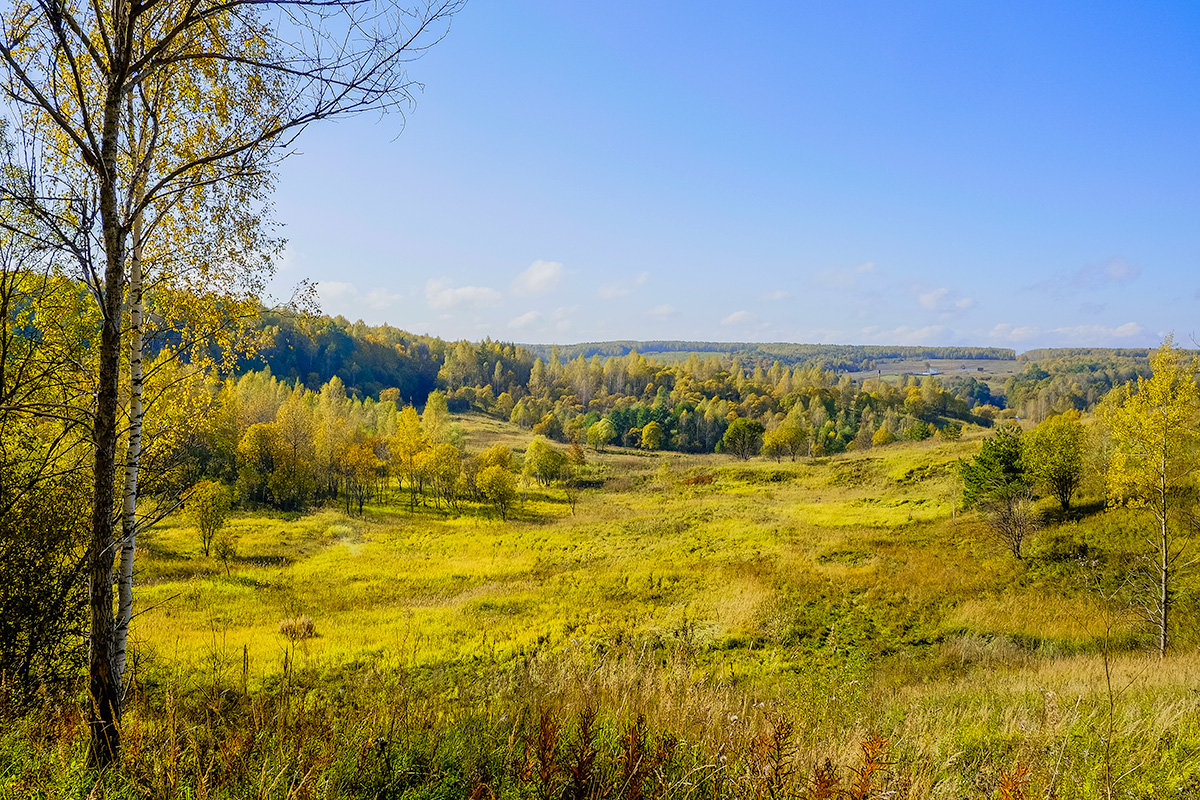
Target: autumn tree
<point>498,455</point>
<point>1052,454</point>
<point>44,595</point>
<point>600,434</point>
<point>334,436</point>
<point>1011,517</point>
<point>44,403</point>
<point>208,507</point>
<point>405,449</point>
<point>571,481</point>
<point>359,466</point>
<point>789,440</point>
<point>1154,426</point>
<point>550,427</point>
<point>653,436</point>
<point>499,487</point>
<point>293,482</point>
<point>225,548</point>
<point>77,75</point>
<point>544,463</point>
<point>435,419</point>
<point>743,438</point>
<point>256,452</point>
<point>443,467</point>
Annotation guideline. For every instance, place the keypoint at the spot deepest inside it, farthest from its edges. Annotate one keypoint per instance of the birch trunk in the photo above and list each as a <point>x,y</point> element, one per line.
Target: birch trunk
<point>133,456</point>
<point>1164,552</point>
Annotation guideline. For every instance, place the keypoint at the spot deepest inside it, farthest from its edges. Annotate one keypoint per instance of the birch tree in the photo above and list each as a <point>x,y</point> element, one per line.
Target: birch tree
<point>261,72</point>
<point>405,449</point>
<point>202,256</point>
<point>1153,465</point>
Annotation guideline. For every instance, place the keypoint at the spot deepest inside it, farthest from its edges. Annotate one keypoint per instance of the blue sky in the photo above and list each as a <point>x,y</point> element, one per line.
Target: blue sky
<point>1010,174</point>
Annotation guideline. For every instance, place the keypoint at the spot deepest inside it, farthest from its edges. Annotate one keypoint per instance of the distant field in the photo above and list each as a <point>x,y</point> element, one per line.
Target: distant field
<point>992,371</point>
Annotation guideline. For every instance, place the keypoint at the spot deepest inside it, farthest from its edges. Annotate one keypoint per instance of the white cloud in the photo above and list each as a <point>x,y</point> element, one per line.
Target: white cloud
<point>439,294</point>
<point>1099,334</point>
<point>1013,333</point>
<point>611,291</point>
<point>778,294</point>
<point>738,318</point>
<point>1114,271</point>
<point>525,320</point>
<point>663,311</point>
<point>932,300</point>
<point>944,301</point>
<point>564,318</point>
<point>539,278</point>
<point>818,336</point>
<point>335,291</point>
<point>905,334</point>
<point>380,299</point>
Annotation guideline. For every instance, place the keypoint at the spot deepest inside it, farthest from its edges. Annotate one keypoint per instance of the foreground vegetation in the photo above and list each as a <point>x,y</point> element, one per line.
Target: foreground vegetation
<point>698,627</point>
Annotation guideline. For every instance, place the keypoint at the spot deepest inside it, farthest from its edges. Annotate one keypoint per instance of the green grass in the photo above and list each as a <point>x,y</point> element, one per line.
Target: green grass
<point>844,593</point>
<point>766,543</point>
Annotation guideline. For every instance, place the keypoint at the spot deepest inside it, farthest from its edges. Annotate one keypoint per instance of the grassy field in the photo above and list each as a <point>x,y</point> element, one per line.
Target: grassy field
<point>733,564</point>
<point>758,624</point>
<point>994,372</point>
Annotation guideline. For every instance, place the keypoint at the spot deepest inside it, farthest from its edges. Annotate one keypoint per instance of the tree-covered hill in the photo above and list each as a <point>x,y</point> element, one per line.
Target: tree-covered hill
<point>574,380</point>
<point>368,359</point>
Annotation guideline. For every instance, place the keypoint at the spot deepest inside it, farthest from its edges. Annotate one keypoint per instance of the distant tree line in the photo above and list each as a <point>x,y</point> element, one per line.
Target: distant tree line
<point>688,405</point>
<point>839,357</point>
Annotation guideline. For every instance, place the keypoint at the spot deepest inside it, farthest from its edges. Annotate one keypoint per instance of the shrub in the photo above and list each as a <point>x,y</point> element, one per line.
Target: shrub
<point>298,628</point>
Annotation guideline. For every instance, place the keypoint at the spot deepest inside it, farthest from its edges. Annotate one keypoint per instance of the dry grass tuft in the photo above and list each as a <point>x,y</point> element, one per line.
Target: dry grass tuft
<point>298,628</point>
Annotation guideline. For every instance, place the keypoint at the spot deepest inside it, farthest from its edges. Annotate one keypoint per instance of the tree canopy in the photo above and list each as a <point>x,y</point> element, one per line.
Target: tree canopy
<point>743,438</point>
<point>1053,455</point>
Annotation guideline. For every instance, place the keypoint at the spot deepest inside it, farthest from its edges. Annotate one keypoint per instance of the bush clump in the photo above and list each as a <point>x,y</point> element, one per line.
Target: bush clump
<point>298,628</point>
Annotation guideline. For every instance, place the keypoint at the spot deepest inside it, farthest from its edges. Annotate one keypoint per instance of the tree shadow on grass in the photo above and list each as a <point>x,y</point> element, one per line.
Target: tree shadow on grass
<point>1055,515</point>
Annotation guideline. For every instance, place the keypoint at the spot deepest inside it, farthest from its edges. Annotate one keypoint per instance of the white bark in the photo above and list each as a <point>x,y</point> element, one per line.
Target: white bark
<point>129,522</point>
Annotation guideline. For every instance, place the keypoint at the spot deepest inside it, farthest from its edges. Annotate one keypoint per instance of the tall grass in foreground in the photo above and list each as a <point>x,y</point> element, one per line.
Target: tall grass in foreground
<point>633,722</point>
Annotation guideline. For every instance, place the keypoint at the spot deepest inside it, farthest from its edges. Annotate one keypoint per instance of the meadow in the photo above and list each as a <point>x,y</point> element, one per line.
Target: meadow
<point>697,626</point>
